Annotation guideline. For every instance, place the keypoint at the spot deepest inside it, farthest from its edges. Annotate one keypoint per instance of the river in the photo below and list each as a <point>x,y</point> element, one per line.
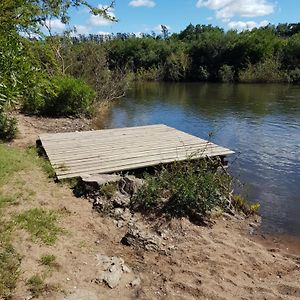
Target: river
<point>261,123</point>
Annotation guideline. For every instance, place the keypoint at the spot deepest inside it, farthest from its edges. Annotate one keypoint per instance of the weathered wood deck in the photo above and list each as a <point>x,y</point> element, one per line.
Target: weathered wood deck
<point>111,150</point>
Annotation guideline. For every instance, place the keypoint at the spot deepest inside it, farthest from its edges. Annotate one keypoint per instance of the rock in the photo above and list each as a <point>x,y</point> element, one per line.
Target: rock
<point>139,238</point>
<point>92,183</point>
<point>80,294</point>
<point>136,282</point>
<point>126,269</point>
<point>112,270</point>
<point>121,214</point>
<point>130,185</point>
<point>120,200</point>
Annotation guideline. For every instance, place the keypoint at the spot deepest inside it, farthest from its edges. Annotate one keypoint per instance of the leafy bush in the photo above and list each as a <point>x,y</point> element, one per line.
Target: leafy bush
<point>72,97</point>
<point>226,73</point>
<point>263,72</point>
<point>295,75</point>
<point>185,189</point>
<point>152,74</point>
<point>61,96</point>
<point>8,127</point>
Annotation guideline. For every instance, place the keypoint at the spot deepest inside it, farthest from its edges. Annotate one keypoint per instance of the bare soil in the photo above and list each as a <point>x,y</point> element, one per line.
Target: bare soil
<point>222,261</point>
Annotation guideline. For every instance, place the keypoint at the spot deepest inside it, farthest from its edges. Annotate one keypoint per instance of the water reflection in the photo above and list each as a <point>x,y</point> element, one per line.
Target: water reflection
<point>260,122</point>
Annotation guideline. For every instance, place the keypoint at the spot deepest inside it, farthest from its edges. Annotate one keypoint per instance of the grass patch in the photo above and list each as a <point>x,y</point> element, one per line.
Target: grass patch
<point>9,270</point>
<point>109,189</point>
<point>185,189</point>
<point>36,285</point>
<point>13,160</point>
<point>5,201</point>
<point>41,224</point>
<point>48,260</point>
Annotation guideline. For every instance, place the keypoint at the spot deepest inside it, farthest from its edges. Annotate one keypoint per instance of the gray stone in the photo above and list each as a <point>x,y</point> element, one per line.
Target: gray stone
<point>136,282</point>
<point>140,238</point>
<point>112,270</point>
<point>92,183</point>
<point>130,184</point>
<point>120,200</point>
<point>80,294</point>
<point>121,214</point>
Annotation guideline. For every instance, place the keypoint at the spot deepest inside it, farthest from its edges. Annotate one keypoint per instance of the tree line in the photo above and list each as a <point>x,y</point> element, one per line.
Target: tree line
<point>207,53</point>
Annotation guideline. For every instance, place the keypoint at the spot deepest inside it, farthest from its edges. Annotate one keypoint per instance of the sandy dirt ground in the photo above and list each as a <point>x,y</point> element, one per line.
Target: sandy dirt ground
<point>221,261</point>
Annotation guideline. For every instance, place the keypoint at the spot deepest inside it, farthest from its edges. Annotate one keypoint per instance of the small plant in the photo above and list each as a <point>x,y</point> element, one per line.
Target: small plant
<point>9,269</point>
<point>72,97</point>
<point>241,204</point>
<point>184,189</point>
<point>41,224</point>
<point>48,260</point>
<point>108,190</point>
<point>226,73</point>
<point>8,127</point>
<point>36,285</point>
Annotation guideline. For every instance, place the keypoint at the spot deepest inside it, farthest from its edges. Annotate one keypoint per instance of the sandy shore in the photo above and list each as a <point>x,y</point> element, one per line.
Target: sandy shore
<point>221,261</point>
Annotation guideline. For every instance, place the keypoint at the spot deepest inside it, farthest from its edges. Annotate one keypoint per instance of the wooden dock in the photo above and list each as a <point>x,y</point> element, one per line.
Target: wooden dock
<point>105,151</point>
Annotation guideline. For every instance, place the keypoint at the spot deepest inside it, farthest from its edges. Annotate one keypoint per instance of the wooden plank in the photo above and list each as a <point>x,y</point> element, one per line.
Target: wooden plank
<point>111,140</point>
<point>115,156</point>
<point>111,150</point>
<point>129,151</point>
<point>92,133</point>
<point>134,146</point>
<point>120,168</point>
<point>135,162</point>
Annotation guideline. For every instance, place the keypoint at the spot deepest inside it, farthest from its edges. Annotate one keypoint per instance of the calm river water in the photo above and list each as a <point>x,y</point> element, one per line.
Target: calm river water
<point>260,122</point>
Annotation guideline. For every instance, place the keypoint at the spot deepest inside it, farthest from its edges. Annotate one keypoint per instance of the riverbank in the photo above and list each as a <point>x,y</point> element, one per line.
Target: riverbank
<point>221,261</point>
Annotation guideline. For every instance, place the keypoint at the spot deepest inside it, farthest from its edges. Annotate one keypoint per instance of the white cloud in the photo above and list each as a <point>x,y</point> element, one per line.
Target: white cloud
<point>82,29</point>
<point>104,33</point>
<point>54,25</point>
<point>100,20</point>
<point>139,3</point>
<point>245,8</point>
<point>240,25</point>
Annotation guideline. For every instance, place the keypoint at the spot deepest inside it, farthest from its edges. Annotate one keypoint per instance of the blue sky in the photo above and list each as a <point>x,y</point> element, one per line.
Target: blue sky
<point>147,15</point>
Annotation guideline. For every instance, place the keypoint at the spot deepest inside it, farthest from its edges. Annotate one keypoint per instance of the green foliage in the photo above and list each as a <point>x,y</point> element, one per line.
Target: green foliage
<point>108,190</point>
<point>89,61</point>
<point>36,285</point>
<point>263,72</point>
<point>73,97</point>
<point>48,260</point>
<point>152,74</point>
<point>185,189</point>
<point>41,224</point>
<point>243,205</point>
<point>8,127</point>
<point>226,73</point>
<point>295,75</point>
<point>9,269</point>
<point>12,161</point>
<point>63,96</point>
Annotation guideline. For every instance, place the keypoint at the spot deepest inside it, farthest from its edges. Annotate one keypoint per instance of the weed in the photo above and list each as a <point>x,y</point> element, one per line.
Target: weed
<point>41,224</point>
<point>242,204</point>
<point>9,269</point>
<point>36,285</point>
<point>108,190</point>
<point>4,201</point>
<point>184,189</point>
<point>48,260</point>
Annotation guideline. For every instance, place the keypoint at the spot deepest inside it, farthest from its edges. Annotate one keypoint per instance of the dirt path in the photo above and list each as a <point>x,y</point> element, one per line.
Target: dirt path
<point>218,262</point>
